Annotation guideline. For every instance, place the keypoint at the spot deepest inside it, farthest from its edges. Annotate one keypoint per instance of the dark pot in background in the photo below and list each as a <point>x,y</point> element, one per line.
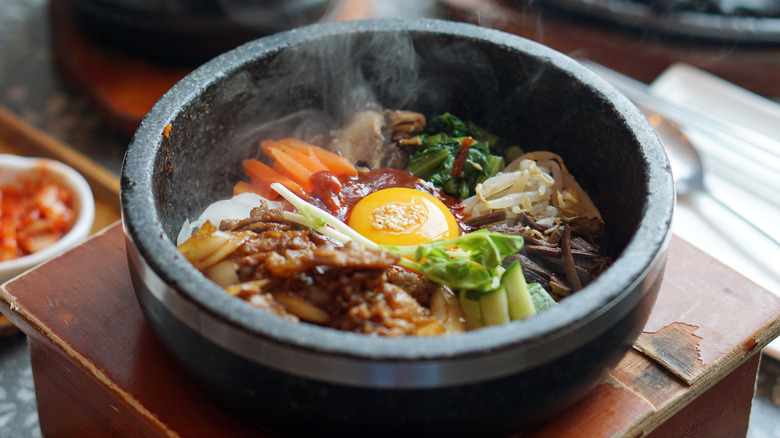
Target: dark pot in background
<point>192,31</point>
<point>300,378</point>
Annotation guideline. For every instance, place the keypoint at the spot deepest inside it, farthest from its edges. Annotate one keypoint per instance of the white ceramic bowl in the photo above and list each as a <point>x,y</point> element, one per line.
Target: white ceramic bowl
<point>15,168</point>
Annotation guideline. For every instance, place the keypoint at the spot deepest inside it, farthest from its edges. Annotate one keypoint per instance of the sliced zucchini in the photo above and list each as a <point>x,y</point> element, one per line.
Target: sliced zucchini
<point>494,307</point>
<point>519,299</point>
<point>469,302</point>
<point>541,299</point>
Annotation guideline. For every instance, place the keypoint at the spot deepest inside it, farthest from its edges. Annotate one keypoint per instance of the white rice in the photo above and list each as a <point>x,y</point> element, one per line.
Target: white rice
<point>237,207</point>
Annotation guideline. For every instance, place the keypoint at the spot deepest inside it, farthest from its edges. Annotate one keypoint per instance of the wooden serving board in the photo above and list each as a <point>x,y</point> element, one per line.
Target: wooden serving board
<point>17,137</point>
<point>692,372</point>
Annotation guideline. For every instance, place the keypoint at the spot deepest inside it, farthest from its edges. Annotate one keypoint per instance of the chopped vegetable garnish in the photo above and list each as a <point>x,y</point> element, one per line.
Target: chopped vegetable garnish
<point>294,163</point>
<point>455,156</point>
<point>483,243</point>
<point>335,163</point>
<point>262,177</point>
<point>469,262</point>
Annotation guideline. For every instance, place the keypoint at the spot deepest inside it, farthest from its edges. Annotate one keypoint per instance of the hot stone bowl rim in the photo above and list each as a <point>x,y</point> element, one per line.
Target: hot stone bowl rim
<point>146,234</point>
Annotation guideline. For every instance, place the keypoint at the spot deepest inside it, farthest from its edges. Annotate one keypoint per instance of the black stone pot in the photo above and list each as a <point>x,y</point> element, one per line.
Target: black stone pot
<point>192,31</point>
<point>301,378</point>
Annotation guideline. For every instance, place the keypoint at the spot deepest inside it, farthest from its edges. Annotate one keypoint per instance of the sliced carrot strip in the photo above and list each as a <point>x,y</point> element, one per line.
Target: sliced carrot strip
<point>291,167</point>
<point>247,187</point>
<point>281,170</point>
<point>308,161</point>
<point>337,164</point>
<point>301,146</point>
<point>262,175</point>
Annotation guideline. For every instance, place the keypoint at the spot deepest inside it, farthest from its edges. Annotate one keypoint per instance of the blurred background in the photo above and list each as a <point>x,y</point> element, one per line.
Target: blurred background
<point>86,71</point>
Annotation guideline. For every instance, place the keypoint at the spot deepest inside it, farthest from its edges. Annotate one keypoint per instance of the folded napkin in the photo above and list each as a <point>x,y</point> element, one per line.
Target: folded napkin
<point>732,171</point>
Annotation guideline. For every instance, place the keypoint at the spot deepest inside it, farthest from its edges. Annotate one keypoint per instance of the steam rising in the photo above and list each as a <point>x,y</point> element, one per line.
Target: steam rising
<point>319,85</point>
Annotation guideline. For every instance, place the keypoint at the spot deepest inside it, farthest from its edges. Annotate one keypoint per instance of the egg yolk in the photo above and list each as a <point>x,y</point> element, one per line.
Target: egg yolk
<point>403,216</point>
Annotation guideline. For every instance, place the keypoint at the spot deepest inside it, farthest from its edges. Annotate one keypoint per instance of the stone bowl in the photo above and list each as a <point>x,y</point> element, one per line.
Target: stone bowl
<point>299,379</point>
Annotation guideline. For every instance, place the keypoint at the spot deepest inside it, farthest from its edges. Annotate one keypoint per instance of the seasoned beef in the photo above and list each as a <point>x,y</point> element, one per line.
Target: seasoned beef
<point>362,139</point>
<point>293,272</point>
<point>565,255</point>
<point>372,137</point>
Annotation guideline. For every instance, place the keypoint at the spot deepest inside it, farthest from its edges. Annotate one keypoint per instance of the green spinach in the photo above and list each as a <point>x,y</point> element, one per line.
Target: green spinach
<point>455,155</point>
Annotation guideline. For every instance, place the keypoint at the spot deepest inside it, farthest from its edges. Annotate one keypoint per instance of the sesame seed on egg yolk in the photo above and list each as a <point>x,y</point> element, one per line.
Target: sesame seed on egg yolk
<point>403,216</point>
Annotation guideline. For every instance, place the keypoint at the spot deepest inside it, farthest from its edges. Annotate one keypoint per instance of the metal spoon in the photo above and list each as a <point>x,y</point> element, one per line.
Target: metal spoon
<point>688,171</point>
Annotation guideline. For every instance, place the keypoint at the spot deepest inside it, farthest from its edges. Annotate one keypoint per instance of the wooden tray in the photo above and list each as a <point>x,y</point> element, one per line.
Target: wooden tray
<point>692,371</point>
<point>20,138</point>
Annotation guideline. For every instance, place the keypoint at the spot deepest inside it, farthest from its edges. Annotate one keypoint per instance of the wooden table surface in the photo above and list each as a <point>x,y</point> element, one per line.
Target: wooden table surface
<point>91,348</point>
<point>90,344</point>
